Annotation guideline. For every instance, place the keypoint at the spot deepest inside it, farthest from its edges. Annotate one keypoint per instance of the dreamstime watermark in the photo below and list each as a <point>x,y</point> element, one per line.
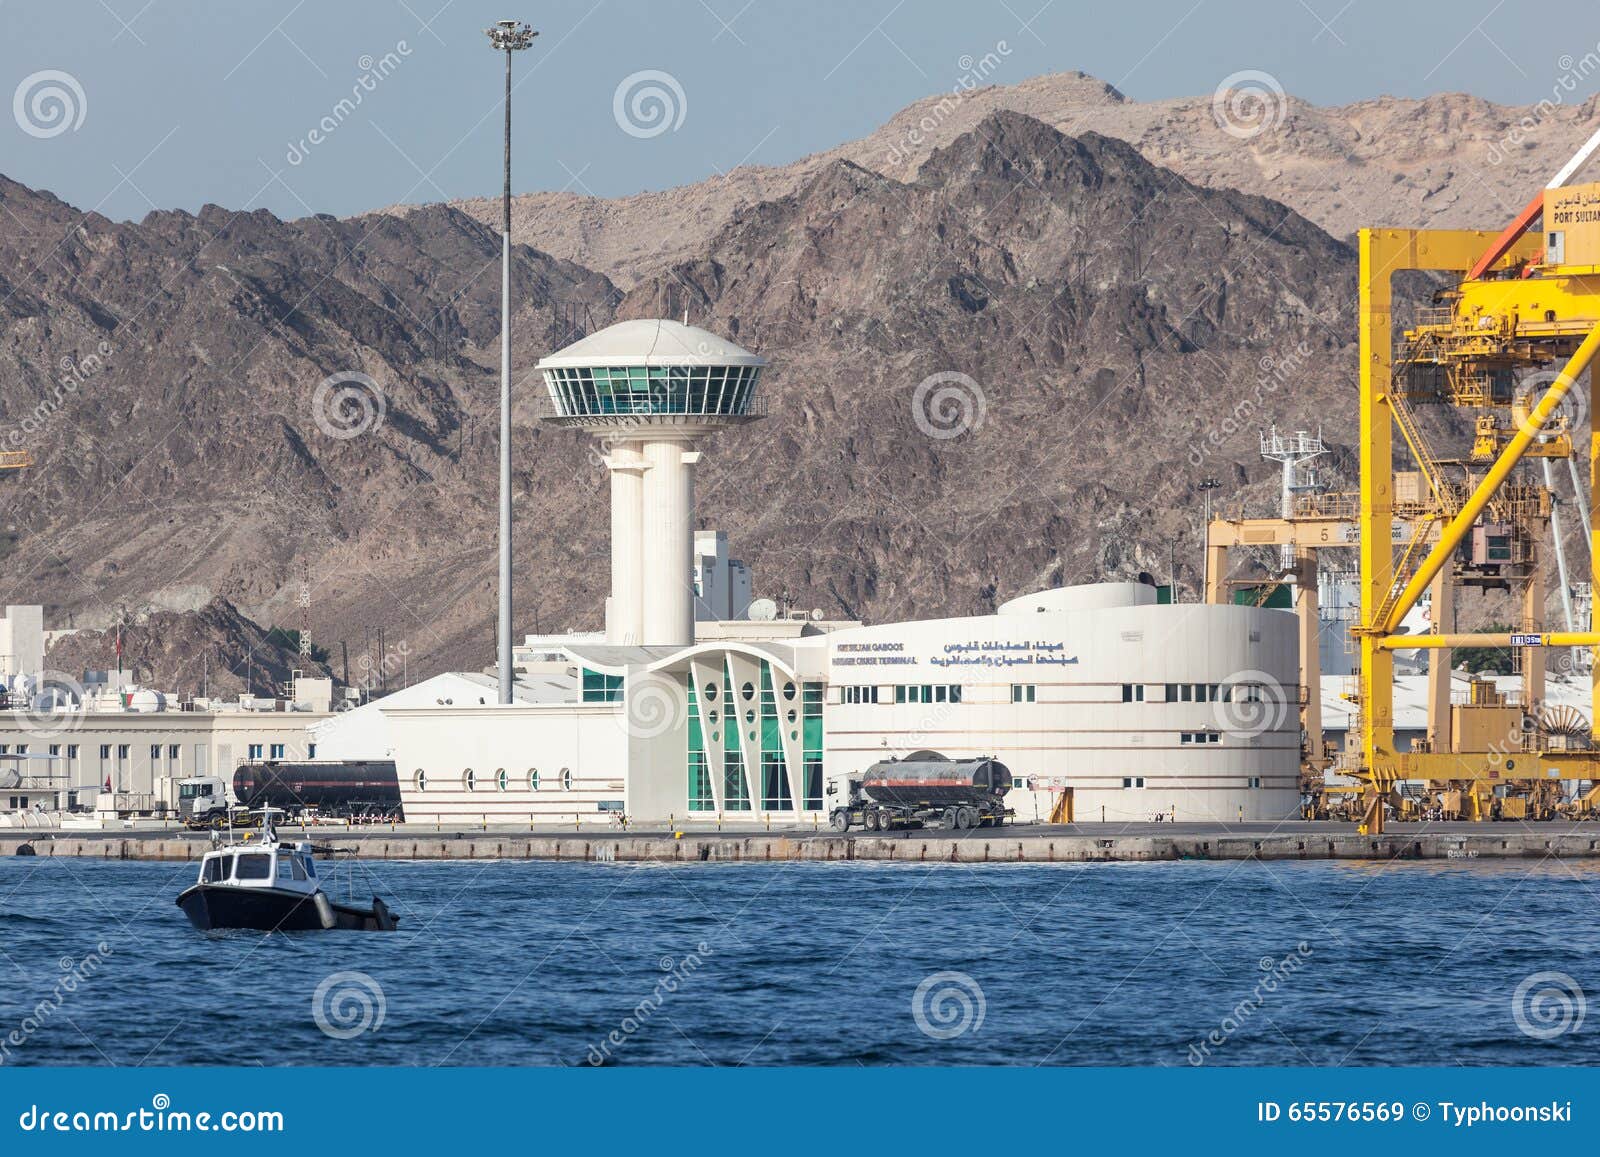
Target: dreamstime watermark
<point>973,73</point>
<point>948,1004</point>
<point>1249,103</point>
<point>1548,1004</point>
<point>348,404</point>
<point>1250,703</point>
<point>74,373</point>
<point>1568,415</point>
<point>1277,972</point>
<point>947,405</point>
<point>48,103</point>
<point>53,706</point>
<point>347,1004</point>
<point>648,103</point>
<point>1273,373</point>
<point>1574,71</point>
<point>373,72</point>
<point>160,1117</point>
<point>654,705</point>
<point>74,973</point>
<point>676,973</point>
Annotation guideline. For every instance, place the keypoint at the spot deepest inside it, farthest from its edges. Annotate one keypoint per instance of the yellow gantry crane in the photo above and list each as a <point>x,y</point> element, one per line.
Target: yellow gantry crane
<point>1527,300</point>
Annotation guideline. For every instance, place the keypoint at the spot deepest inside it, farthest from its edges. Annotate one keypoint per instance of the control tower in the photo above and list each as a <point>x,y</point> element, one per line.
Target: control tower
<point>650,391</point>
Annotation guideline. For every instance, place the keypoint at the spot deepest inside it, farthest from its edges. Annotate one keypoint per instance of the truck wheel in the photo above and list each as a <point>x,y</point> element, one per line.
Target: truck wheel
<point>966,817</point>
<point>886,820</point>
<point>950,817</point>
<point>871,821</point>
<point>840,820</point>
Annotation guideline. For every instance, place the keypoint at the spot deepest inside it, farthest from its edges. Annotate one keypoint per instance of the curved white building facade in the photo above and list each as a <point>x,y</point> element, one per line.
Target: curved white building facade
<point>1128,707</point>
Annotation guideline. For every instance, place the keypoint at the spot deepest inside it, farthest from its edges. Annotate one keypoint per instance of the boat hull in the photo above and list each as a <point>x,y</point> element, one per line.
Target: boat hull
<point>211,907</point>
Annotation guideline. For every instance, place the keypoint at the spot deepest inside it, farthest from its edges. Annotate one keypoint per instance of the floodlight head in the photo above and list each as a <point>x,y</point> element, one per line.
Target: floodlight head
<point>510,35</point>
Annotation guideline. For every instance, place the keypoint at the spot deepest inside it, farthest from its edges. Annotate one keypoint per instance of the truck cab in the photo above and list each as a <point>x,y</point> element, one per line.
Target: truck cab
<point>202,798</point>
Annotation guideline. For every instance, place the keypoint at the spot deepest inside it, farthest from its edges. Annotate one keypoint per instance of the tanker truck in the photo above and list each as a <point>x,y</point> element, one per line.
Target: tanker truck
<point>925,789</point>
<point>356,788</point>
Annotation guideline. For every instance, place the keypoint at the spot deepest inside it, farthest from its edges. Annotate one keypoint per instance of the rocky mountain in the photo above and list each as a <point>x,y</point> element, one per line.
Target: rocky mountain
<point>1009,333</point>
<point>178,384</point>
<point>1009,371</point>
<point>1447,161</point>
<point>213,650</point>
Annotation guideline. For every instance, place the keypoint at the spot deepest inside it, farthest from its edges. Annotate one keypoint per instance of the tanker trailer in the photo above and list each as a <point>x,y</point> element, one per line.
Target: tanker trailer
<point>924,789</point>
<point>368,788</point>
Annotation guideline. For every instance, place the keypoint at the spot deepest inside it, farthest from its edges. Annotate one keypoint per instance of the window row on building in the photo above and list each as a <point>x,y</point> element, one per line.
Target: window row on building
<point>1131,781</point>
<point>1192,693</point>
<point>926,693</point>
<point>653,389</point>
<point>1029,693</point>
<point>499,780</point>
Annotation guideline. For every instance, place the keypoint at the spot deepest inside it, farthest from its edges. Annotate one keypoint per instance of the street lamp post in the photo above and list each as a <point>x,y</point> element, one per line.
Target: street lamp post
<point>1206,486</point>
<point>506,36</point>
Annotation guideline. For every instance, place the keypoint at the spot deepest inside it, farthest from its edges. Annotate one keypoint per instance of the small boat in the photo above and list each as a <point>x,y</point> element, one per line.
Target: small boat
<point>272,886</point>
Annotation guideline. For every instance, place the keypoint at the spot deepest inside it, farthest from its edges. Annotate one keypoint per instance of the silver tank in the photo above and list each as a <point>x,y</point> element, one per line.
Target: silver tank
<point>926,780</point>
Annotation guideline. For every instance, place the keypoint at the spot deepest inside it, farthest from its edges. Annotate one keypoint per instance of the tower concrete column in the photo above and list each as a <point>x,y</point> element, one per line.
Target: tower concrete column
<point>625,608</point>
<point>667,546</point>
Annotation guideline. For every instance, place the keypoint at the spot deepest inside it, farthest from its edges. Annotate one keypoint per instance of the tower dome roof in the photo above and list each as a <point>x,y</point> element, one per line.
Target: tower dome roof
<point>652,342</point>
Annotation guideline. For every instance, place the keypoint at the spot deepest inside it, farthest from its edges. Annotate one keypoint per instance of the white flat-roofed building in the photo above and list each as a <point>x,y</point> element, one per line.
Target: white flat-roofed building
<point>141,743</point>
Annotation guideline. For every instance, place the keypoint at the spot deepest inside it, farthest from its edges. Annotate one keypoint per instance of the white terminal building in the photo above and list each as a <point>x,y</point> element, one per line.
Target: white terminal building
<point>699,704</point>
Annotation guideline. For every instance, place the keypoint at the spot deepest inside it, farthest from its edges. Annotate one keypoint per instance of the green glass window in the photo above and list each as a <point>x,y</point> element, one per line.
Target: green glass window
<point>811,744</point>
<point>734,789</point>
<point>701,798</point>
<point>654,389</point>
<point>774,778</point>
<point>598,688</point>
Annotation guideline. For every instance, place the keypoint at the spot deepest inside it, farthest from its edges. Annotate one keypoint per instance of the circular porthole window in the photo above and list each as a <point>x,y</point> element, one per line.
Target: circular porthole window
<point>420,779</point>
<point>788,690</point>
<point>748,690</point>
<point>711,692</point>
<point>501,779</point>
<point>712,716</point>
<point>566,779</point>
<point>791,716</point>
<point>533,779</point>
<point>749,716</point>
<point>713,737</point>
<point>469,779</point>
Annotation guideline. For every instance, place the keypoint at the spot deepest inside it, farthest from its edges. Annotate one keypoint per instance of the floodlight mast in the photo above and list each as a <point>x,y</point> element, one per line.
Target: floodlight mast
<point>506,36</point>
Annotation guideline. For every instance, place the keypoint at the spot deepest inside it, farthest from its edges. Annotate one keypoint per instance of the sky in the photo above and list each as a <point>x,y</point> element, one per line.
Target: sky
<point>341,106</point>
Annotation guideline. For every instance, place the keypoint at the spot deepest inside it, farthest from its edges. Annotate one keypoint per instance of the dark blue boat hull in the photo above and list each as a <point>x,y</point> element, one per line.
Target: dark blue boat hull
<point>212,906</point>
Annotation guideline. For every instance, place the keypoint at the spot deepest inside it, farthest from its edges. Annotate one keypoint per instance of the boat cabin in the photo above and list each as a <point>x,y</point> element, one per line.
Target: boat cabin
<point>283,866</point>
